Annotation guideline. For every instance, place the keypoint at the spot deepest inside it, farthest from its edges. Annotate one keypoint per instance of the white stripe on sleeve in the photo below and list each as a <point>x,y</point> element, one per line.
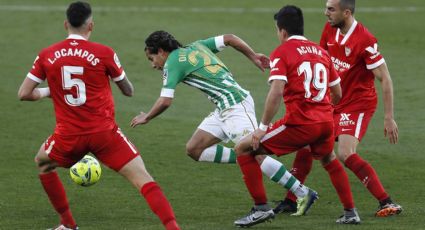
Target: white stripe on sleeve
<point>376,64</point>
<point>219,42</point>
<point>167,93</point>
<point>34,78</point>
<point>119,78</point>
<point>334,82</point>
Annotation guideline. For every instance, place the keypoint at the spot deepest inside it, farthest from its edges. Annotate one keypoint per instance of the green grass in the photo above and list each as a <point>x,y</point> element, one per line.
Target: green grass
<point>204,196</point>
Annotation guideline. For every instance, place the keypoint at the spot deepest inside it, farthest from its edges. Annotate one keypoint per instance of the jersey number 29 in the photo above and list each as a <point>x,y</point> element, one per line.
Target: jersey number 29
<point>68,83</point>
<point>317,76</point>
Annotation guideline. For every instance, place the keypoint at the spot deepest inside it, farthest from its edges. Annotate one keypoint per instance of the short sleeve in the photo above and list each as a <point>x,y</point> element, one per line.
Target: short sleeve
<point>370,54</point>
<point>113,67</point>
<point>215,44</point>
<point>37,73</point>
<point>324,37</point>
<point>278,69</point>
<point>334,78</point>
<point>172,75</point>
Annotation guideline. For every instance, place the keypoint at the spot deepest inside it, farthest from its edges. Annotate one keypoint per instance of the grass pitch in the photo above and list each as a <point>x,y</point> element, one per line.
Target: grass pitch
<point>204,196</point>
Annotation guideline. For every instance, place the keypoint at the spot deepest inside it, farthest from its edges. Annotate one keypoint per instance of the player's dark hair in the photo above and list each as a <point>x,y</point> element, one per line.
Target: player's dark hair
<point>161,39</point>
<point>348,4</point>
<point>290,18</point>
<point>77,13</point>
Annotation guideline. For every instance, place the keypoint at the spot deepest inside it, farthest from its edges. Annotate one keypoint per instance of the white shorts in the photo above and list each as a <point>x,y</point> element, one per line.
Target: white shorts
<point>233,123</point>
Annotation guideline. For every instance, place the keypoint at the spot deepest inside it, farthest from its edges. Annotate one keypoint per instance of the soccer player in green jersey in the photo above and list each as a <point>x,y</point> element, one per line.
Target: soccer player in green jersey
<point>197,65</point>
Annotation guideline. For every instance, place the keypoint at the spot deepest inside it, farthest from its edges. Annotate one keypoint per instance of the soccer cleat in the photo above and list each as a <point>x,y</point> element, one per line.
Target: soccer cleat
<point>63,227</point>
<point>388,209</point>
<point>254,217</point>
<point>304,204</point>
<point>285,206</point>
<point>350,217</point>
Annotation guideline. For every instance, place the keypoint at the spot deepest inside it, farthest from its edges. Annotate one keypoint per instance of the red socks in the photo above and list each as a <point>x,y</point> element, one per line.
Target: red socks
<point>253,178</point>
<point>367,176</point>
<point>159,205</point>
<point>340,182</point>
<point>301,168</point>
<point>57,196</point>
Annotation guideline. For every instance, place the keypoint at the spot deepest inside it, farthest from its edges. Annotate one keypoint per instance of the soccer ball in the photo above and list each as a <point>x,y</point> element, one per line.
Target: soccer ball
<point>86,172</point>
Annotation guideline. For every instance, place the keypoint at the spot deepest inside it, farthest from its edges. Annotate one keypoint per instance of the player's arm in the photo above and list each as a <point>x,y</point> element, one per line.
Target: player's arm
<point>271,107</point>
<point>125,86</point>
<point>390,126</point>
<point>28,91</point>
<point>260,60</point>
<point>161,104</point>
<point>336,93</point>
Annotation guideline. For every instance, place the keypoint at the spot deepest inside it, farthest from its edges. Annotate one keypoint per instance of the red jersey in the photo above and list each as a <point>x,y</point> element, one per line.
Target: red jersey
<point>354,56</point>
<point>308,72</point>
<point>78,73</point>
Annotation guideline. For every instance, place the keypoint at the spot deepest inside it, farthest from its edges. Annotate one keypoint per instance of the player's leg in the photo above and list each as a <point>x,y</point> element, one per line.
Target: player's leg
<point>135,172</point>
<point>323,150</point>
<point>52,184</point>
<point>301,167</point>
<point>281,140</point>
<point>366,174</point>
<point>122,156</point>
<point>254,182</point>
<point>204,147</point>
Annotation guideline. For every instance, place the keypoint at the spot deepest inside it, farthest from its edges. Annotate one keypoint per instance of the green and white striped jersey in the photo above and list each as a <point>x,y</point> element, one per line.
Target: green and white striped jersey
<point>197,65</point>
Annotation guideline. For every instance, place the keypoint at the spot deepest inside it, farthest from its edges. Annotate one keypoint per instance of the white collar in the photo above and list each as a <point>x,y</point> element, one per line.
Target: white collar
<point>350,31</point>
<point>76,36</point>
<point>298,37</point>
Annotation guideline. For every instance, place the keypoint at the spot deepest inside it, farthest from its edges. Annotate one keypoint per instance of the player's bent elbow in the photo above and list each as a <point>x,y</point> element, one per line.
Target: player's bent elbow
<point>23,95</point>
<point>128,93</point>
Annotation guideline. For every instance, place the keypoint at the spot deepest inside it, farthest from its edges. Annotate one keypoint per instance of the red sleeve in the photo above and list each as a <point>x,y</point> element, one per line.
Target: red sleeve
<point>37,73</point>
<point>370,53</point>
<point>278,69</point>
<point>113,67</point>
<point>324,38</point>
<point>333,75</point>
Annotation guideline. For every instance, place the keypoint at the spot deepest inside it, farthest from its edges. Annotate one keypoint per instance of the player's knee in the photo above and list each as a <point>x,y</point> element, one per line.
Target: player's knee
<point>325,160</point>
<point>260,158</point>
<point>193,152</point>
<point>343,155</point>
<point>44,166</point>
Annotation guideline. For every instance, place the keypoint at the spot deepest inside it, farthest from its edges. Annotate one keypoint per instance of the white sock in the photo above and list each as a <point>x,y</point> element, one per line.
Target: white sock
<point>277,172</point>
<point>218,154</point>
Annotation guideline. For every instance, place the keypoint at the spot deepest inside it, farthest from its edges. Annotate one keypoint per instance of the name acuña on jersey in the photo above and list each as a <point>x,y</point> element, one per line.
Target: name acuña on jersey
<point>301,50</point>
<point>74,52</point>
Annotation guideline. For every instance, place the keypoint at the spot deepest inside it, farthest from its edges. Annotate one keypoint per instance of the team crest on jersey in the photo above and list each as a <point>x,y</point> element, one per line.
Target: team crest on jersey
<point>164,76</point>
<point>347,51</point>
<point>117,61</point>
<point>73,43</point>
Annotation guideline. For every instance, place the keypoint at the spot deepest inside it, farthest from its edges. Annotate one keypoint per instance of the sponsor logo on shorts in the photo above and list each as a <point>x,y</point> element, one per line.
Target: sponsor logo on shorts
<point>345,120</point>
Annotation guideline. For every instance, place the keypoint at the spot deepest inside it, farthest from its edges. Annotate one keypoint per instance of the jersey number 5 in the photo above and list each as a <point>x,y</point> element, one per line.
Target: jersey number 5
<point>318,78</point>
<point>68,83</point>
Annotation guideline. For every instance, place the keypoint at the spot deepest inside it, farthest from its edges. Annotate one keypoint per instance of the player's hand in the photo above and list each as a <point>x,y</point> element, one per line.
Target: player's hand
<point>391,130</point>
<point>261,61</point>
<point>256,138</point>
<point>140,119</point>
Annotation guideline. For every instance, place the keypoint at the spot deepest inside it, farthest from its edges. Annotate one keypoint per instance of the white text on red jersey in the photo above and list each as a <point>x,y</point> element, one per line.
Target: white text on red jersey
<point>74,52</point>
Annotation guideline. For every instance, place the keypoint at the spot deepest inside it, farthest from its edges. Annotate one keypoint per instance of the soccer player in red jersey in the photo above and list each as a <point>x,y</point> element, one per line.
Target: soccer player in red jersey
<point>302,73</point>
<point>78,73</point>
<point>354,52</point>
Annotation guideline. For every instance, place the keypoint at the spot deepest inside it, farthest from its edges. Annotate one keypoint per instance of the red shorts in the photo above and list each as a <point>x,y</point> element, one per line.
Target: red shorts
<point>111,147</point>
<point>352,123</point>
<point>281,139</point>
